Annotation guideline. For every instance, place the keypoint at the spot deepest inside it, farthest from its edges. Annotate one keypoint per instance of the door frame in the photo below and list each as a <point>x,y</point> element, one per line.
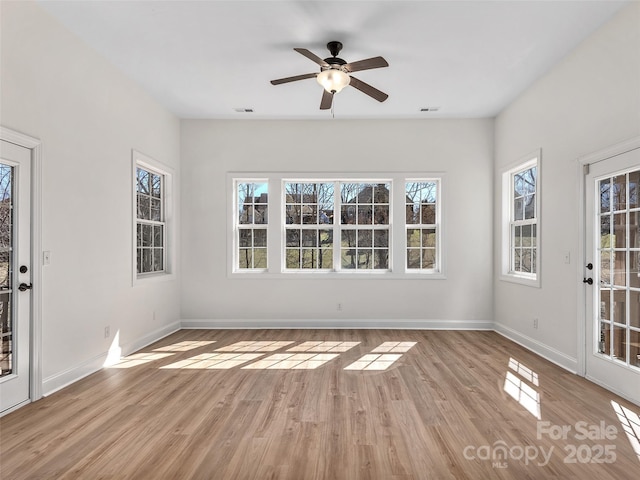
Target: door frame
<point>35,145</point>
<point>583,256</point>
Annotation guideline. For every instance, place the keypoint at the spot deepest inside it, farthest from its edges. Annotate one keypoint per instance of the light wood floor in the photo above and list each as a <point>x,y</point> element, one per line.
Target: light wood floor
<point>439,412</point>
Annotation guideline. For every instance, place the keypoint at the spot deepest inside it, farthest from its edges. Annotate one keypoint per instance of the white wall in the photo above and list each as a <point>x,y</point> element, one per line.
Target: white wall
<point>590,101</point>
<point>461,148</point>
<point>88,117</point>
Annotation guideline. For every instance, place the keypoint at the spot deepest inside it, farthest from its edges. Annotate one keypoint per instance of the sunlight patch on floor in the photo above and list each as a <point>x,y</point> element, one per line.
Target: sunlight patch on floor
<point>524,371</point>
<point>374,361</point>
<point>292,361</point>
<point>184,346</point>
<point>307,355</point>
<point>324,347</point>
<point>216,361</point>
<point>393,347</point>
<point>381,357</point>
<point>139,359</point>
<point>630,422</point>
<point>520,390</point>
<point>248,346</point>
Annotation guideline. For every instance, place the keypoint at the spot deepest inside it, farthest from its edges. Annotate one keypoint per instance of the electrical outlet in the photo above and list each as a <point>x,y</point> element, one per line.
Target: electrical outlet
<point>535,323</point>
<point>107,332</point>
<point>339,307</point>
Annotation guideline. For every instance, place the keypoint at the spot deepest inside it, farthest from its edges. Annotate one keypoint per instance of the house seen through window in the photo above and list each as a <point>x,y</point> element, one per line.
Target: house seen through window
<point>253,218</point>
<point>336,225</point>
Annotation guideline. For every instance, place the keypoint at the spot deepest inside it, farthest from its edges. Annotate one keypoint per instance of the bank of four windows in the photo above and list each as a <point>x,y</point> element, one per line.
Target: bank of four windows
<point>336,224</point>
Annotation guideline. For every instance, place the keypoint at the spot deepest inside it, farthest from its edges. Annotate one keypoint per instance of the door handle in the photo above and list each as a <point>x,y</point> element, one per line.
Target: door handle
<point>588,280</point>
<point>23,287</point>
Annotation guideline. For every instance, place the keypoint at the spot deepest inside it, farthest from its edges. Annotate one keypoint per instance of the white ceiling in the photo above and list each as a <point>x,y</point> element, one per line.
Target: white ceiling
<point>204,59</point>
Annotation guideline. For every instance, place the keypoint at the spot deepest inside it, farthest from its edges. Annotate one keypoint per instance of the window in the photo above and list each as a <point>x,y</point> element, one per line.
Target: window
<point>364,222</point>
<point>152,186</point>
<point>252,221</point>
<point>521,232</point>
<point>523,222</point>
<point>309,225</point>
<point>336,225</point>
<point>150,221</point>
<point>351,218</point>
<point>422,218</point>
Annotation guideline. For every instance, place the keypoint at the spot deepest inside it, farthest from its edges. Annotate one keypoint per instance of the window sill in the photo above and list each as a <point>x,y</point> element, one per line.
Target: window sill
<point>153,278</point>
<point>521,280</point>
<point>383,275</point>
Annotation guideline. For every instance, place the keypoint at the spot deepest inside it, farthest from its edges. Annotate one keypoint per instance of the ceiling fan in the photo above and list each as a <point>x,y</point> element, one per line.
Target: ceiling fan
<point>335,74</point>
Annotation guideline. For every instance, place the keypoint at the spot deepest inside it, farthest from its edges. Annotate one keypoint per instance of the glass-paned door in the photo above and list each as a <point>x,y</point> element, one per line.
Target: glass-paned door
<point>613,242</point>
<point>15,285</point>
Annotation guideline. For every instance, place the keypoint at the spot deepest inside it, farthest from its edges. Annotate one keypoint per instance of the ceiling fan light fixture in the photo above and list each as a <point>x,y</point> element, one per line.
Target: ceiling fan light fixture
<point>333,80</point>
<point>335,74</point>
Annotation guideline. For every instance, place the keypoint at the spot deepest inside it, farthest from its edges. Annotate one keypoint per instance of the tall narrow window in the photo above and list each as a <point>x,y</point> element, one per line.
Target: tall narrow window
<point>523,222</point>
<point>422,220</point>
<point>252,219</point>
<point>521,232</point>
<point>150,221</point>
<point>364,225</point>
<point>309,217</point>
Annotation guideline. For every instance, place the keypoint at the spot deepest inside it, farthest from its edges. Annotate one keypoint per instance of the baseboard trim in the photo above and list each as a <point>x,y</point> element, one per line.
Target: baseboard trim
<point>71,375</point>
<point>65,378</point>
<point>321,324</point>
<point>15,407</point>
<point>554,356</point>
<point>159,334</point>
<point>613,390</point>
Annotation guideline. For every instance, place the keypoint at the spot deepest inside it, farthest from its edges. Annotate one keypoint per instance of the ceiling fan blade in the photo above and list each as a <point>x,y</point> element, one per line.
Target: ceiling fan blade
<point>327,100</point>
<point>293,79</point>
<point>312,56</point>
<point>368,64</point>
<point>368,89</point>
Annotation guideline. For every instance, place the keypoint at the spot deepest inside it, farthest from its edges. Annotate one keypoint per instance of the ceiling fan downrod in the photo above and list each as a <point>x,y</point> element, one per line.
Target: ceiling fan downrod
<point>334,48</point>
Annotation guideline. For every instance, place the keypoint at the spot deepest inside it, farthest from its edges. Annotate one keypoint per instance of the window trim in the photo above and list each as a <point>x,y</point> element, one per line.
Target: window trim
<point>141,160</point>
<point>276,227</point>
<point>507,200</point>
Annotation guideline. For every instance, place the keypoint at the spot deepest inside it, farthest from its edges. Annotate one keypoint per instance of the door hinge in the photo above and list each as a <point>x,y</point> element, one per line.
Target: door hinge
<point>585,169</point>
